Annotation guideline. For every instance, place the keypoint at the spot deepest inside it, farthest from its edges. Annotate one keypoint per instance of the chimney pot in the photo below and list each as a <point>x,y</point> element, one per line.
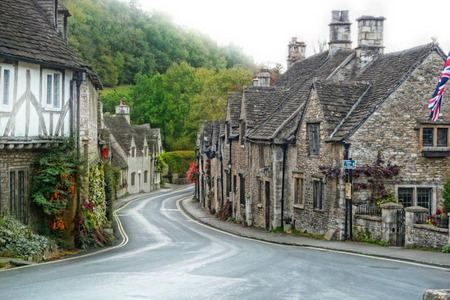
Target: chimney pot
<point>340,32</point>
<point>296,51</point>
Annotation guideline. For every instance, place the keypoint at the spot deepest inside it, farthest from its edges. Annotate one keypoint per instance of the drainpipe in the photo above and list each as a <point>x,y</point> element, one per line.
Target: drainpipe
<point>221,176</point>
<point>80,77</point>
<point>284,147</point>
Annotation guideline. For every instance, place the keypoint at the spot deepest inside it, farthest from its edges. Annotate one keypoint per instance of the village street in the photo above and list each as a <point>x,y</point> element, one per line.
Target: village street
<point>168,256</point>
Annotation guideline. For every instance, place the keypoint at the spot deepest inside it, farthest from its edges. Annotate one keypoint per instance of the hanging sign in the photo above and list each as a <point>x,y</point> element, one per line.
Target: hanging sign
<point>348,191</point>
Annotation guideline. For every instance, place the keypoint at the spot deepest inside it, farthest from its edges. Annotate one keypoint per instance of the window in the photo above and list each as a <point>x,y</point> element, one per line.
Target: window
<point>145,151</point>
<point>17,195</point>
<point>424,198</point>
<point>427,140</point>
<point>228,184</point>
<point>242,189</point>
<point>261,156</point>
<point>234,184</point>
<point>260,184</point>
<point>133,151</point>
<point>6,85</point>
<point>435,136</point>
<point>405,196</point>
<point>145,176</point>
<point>53,85</point>
<point>314,138</point>
<point>415,196</point>
<point>298,189</point>
<point>318,194</point>
<point>228,130</point>
<point>442,137</point>
<point>133,178</point>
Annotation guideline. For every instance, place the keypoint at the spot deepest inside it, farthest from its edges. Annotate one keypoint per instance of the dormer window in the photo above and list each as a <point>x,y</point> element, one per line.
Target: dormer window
<point>52,88</point>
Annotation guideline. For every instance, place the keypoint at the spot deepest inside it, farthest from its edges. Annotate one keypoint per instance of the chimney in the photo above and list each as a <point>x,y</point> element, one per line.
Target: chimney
<point>370,38</point>
<point>63,15</point>
<point>262,79</point>
<point>340,32</point>
<point>123,110</point>
<point>296,51</point>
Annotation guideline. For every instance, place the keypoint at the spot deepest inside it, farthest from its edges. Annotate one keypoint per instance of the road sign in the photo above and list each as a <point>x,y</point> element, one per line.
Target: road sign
<point>349,164</point>
<point>348,191</point>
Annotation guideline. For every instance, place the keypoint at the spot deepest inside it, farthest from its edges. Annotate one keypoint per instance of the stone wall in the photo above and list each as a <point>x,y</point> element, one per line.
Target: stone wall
<point>371,224</point>
<point>428,236</point>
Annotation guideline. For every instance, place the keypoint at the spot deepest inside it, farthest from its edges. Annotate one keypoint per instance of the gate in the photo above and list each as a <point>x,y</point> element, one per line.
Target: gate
<point>401,227</point>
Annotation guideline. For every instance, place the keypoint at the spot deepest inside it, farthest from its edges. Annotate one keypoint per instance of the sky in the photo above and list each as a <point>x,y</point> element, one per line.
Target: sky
<point>264,28</point>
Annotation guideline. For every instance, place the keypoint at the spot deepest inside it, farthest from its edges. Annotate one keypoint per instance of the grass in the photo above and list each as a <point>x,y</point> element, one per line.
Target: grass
<point>119,89</point>
<point>424,249</point>
<point>299,233</point>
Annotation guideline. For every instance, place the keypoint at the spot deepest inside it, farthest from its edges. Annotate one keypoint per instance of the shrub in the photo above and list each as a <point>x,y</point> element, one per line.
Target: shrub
<point>446,195</point>
<point>178,161</point>
<point>18,241</point>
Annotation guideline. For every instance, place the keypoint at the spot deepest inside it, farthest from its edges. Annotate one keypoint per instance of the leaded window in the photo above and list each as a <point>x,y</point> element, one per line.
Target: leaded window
<point>424,198</point>
<point>298,190</point>
<point>405,196</point>
<point>318,194</point>
<point>17,195</point>
<point>242,189</point>
<point>427,137</point>
<point>314,138</point>
<point>442,137</point>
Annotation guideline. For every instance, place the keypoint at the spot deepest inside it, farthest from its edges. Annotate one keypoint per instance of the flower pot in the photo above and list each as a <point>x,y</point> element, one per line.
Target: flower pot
<point>287,227</point>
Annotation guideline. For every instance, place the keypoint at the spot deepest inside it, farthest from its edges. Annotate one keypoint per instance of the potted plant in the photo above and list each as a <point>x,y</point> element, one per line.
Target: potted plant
<point>287,221</point>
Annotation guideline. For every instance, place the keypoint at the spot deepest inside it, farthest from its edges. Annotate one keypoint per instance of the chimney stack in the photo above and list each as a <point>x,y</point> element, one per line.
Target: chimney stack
<point>296,51</point>
<point>370,38</point>
<point>262,79</point>
<point>123,110</point>
<point>340,33</point>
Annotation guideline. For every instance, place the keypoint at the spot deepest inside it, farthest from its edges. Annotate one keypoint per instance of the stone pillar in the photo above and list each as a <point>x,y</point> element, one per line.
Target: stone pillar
<point>409,222</point>
<point>389,222</point>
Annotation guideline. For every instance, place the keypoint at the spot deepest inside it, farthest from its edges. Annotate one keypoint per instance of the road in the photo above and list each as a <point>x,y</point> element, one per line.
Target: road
<point>171,257</point>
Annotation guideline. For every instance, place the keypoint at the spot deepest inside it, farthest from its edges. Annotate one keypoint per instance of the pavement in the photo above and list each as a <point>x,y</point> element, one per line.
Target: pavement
<point>197,212</point>
<point>164,254</point>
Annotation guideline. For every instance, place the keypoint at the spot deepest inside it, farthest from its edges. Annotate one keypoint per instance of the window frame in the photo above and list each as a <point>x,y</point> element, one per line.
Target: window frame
<point>298,190</point>
<point>18,197</point>
<point>241,189</point>
<point>415,188</point>
<point>51,105</point>
<point>435,129</point>
<point>145,176</point>
<point>321,187</point>
<point>133,179</point>
<point>261,156</point>
<point>313,136</point>
<point>3,67</point>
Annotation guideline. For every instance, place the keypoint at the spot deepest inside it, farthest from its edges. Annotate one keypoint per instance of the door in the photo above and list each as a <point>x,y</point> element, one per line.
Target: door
<point>267,195</point>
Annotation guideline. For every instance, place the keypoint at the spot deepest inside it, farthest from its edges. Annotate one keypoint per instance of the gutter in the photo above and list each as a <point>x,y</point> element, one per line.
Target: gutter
<point>284,147</point>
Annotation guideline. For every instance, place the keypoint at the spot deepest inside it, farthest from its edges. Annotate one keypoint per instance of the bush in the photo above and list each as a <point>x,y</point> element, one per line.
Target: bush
<point>178,161</point>
<point>17,240</point>
<point>446,195</point>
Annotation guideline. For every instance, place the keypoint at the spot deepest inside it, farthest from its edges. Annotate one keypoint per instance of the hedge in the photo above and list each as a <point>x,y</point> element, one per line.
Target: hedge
<point>178,161</point>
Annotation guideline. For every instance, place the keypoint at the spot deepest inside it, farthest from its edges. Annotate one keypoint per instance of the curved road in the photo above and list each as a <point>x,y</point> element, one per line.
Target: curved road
<point>170,257</point>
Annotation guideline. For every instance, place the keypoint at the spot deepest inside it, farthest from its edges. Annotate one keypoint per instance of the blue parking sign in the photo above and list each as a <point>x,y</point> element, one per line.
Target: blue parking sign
<point>349,164</point>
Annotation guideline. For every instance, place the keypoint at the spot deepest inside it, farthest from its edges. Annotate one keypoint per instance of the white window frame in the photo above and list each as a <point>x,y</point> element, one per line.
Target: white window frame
<point>7,107</point>
<point>50,105</point>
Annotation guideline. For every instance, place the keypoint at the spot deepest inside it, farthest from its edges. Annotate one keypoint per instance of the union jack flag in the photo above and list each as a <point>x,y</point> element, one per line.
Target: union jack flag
<point>436,102</point>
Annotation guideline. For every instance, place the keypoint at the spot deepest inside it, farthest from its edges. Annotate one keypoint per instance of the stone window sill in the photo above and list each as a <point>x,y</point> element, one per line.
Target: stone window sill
<point>436,152</point>
<point>298,206</point>
<point>319,210</point>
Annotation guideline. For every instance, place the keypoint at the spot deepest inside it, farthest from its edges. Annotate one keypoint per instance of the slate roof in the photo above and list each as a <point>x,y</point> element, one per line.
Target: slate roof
<point>337,98</point>
<point>234,106</point>
<point>298,79</point>
<point>259,103</point>
<point>385,74</point>
<point>120,129</point>
<point>26,33</point>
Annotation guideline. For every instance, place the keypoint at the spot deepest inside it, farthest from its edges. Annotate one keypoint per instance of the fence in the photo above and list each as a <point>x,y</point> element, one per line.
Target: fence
<point>368,209</point>
<point>440,221</point>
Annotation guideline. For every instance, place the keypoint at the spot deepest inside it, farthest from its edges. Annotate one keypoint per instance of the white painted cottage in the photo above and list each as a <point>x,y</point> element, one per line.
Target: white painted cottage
<point>47,94</point>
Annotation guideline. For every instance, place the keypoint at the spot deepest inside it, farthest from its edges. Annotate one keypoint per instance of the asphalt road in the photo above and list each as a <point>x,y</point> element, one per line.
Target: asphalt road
<point>170,257</point>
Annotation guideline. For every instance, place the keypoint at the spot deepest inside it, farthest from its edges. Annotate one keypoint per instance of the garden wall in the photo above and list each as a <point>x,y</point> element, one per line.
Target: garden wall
<point>368,223</point>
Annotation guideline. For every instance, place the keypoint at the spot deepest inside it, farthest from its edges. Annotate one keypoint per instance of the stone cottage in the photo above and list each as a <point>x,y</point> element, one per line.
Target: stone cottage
<point>134,149</point>
<point>47,94</point>
<point>343,102</point>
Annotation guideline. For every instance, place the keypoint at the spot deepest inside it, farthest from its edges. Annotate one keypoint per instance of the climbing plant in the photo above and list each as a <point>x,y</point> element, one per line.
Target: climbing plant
<point>53,182</point>
<point>368,177</point>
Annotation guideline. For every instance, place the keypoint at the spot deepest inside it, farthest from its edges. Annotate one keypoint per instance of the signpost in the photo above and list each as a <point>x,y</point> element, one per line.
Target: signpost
<point>348,164</point>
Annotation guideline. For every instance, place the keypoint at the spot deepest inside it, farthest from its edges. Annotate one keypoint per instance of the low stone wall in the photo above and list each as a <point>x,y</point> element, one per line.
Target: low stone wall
<point>369,223</point>
<point>427,236</point>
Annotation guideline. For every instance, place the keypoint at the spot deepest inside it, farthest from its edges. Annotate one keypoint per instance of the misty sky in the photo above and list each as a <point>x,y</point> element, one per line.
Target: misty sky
<point>263,28</point>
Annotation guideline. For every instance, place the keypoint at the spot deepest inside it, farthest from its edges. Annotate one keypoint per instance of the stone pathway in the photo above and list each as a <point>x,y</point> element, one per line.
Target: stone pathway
<point>194,210</point>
